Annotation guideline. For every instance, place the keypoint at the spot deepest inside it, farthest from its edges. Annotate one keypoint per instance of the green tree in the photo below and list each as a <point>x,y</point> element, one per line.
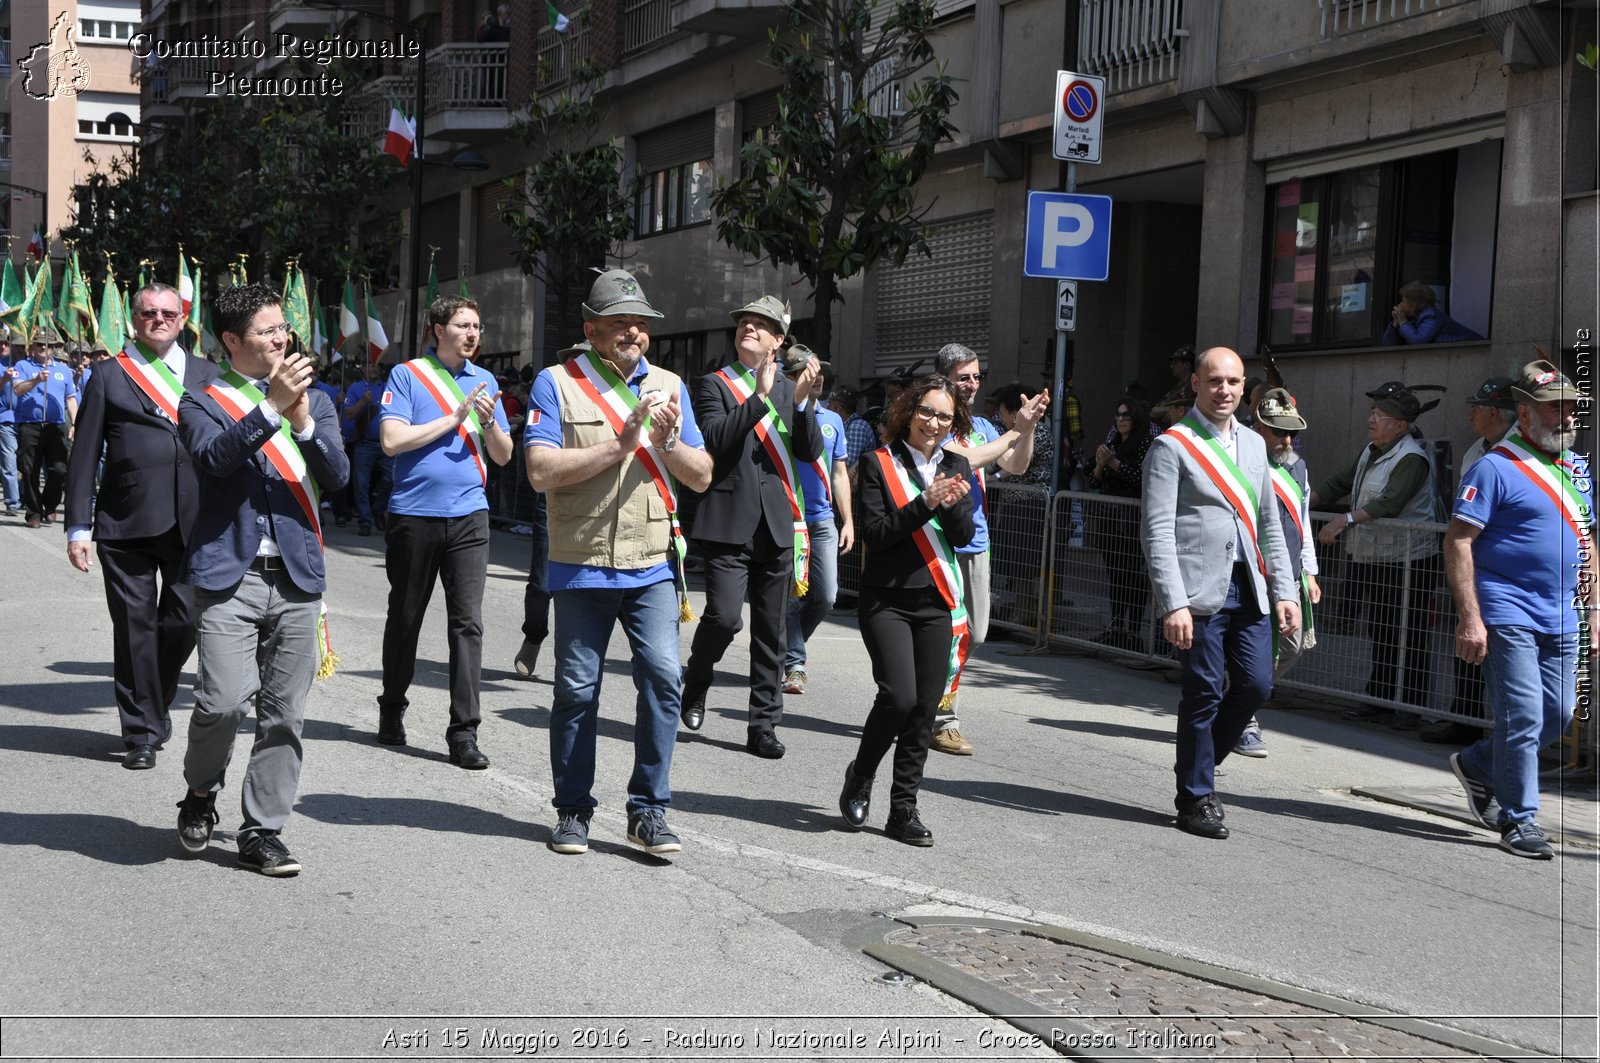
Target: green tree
<point>570,208</point>
<point>830,188</point>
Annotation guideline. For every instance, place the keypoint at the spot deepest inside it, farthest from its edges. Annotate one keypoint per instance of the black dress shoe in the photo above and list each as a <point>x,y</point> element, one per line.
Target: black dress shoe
<point>139,758</point>
<point>464,753</point>
<point>693,712</point>
<point>856,798</point>
<point>1203,817</point>
<point>906,826</point>
<point>391,731</point>
<point>764,744</point>
<point>1451,734</point>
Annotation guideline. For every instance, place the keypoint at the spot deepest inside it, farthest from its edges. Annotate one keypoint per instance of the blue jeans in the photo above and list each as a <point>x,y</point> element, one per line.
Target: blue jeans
<point>805,614</point>
<point>8,465</point>
<point>370,461</point>
<point>1532,684</point>
<point>536,598</point>
<point>584,621</point>
<point>1232,647</point>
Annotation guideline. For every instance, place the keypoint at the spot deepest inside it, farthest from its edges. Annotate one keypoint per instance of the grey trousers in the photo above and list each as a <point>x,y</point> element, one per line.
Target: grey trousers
<point>975,580</point>
<point>258,648</point>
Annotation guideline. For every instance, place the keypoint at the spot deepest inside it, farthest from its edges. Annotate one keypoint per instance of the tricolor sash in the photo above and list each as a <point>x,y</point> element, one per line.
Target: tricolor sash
<point>1225,474</point>
<point>940,558</point>
<point>238,396</point>
<point>441,384</point>
<point>821,467</point>
<point>774,436</point>
<point>1292,499</point>
<point>151,376</point>
<point>1554,479</point>
<point>617,401</point>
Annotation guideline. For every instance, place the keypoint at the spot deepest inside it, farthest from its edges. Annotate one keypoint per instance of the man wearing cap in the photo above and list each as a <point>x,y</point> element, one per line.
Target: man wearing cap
<point>10,483</point>
<point>750,528</point>
<point>826,484</point>
<point>987,445</point>
<point>610,439</point>
<point>1389,481</point>
<point>1520,555</point>
<point>1279,424</point>
<point>1207,486</point>
<point>442,422</point>
<point>1166,411</point>
<point>136,515</point>
<point>1491,411</point>
<point>45,401</point>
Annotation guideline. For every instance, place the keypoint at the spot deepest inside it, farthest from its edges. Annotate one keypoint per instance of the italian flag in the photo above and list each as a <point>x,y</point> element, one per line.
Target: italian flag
<point>349,323</point>
<point>377,339</point>
<point>401,137</point>
<point>557,20</point>
<point>185,284</point>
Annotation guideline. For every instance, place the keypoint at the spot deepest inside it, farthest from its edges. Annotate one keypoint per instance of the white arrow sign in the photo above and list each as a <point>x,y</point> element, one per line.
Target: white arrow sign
<point>1066,305</point>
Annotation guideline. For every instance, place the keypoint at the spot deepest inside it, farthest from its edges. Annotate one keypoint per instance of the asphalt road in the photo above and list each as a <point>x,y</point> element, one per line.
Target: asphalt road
<point>429,905</point>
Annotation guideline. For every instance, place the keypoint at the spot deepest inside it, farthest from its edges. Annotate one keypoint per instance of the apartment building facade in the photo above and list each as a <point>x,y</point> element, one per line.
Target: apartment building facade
<point>1279,170</point>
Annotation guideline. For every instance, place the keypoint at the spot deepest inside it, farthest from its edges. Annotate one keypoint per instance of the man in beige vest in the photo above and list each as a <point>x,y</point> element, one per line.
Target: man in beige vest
<point>611,440</point>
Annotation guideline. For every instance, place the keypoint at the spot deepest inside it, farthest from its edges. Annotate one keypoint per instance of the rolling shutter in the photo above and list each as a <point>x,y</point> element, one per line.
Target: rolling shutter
<point>929,302</point>
<point>496,246</point>
<point>691,140</point>
<point>441,228</point>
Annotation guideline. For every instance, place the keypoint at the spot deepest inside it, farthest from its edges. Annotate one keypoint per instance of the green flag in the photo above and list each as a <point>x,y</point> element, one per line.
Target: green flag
<point>295,310</point>
<point>192,326</point>
<point>28,312</point>
<point>464,292</point>
<point>10,291</point>
<point>433,281</point>
<point>80,305</point>
<point>112,330</point>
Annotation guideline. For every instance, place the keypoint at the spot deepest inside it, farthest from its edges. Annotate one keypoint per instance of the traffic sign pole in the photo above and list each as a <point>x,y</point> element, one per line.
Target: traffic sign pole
<point>1058,381</point>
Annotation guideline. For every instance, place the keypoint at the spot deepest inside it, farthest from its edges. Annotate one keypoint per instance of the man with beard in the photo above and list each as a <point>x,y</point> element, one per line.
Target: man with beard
<point>1278,423</point>
<point>442,422</point>
<point>1520,559</point>
<point>984,446</point>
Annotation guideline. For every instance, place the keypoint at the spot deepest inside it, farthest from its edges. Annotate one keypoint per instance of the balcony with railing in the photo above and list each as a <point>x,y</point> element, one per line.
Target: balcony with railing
<point>644,22</point>
<point>557,55</point>
<point>1351,16</point>
<point>170,83</point>
<point>5,151</point>
<point>467,89</point>
<point>1133,44</point>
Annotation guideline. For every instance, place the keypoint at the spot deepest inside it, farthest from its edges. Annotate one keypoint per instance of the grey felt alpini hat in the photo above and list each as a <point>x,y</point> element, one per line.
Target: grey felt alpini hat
<point>768,306</point>
<point>616,293</point>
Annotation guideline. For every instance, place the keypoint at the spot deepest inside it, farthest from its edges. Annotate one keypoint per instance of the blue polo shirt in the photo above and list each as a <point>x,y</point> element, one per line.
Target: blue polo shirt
<point>440,479</point>
<point>45,403</point>
<point>834,448</point>
<point>347,419</point>
<point>1525,558</point>
<point>544,430</point>
<point>980,505</point>
<point>7,414</point>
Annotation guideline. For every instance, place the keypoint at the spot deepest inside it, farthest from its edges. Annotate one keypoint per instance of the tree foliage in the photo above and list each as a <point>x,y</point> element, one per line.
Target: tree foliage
<point>831,186</point>
<point>267,177</point>
<point>570,208</point>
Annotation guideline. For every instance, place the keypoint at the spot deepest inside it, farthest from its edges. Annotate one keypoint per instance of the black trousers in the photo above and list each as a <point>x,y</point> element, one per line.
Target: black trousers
<point>766,571</point>
<point>454,551</point>
<point>152,630</point>
<point>536,598</point>
<point>42,451</point>
<point>907,634</point>
<point>1383,584</point>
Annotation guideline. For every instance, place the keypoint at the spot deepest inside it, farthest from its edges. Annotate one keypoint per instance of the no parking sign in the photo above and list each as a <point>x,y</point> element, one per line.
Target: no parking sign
<point>1080,115</point>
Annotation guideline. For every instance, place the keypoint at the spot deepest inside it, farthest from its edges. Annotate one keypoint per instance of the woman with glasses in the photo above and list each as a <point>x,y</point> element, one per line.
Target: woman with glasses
<point>1119,472</point>
<point>915,510</point>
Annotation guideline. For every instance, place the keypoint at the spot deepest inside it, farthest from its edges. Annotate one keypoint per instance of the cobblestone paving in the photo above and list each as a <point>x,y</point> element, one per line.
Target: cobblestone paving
<point>1156,1012</point>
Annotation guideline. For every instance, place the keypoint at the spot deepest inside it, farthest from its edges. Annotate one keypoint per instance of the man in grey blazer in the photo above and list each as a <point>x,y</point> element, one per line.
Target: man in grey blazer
<point>1220,573</point>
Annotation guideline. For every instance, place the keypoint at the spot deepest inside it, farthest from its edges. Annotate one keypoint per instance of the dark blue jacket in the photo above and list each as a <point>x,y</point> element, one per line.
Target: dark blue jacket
<point>241,493</point>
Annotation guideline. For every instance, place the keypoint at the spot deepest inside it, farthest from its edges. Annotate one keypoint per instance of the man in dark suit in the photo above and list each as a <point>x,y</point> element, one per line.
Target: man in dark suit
<point>139,520</point>
<point>266,443</point>
<point>750,525</point>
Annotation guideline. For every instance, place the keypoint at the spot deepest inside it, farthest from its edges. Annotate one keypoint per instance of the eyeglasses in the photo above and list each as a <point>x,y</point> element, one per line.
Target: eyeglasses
<point>1124,415</point>
<point>969,378</point>
<point>269,332</point>
<point>1288,433</point>
<point>933,416</point>
<point>164,315</point>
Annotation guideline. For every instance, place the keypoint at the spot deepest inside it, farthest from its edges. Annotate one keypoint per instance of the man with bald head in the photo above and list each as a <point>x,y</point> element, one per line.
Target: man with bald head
<point>1220,574</point>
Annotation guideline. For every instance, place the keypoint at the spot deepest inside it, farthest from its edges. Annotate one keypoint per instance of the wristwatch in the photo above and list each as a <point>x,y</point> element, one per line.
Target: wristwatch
<point>1349,520</point>
<point>672,441</point>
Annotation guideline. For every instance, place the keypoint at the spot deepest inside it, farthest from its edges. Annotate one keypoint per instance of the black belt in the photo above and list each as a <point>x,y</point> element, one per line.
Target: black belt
<point>263,563</point>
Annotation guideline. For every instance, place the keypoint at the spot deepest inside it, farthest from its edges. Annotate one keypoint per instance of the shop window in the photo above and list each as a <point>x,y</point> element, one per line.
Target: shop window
<point>1340,246</point>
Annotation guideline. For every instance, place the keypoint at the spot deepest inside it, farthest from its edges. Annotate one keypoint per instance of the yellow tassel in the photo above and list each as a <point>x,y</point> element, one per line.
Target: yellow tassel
<point>947,702</point>
<point>801,588</point>
<point>685,613</point>
<point>327,660</point>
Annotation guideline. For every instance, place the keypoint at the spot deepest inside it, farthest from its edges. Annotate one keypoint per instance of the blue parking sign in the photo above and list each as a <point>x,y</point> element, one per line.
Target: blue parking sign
<point>1068,236</point>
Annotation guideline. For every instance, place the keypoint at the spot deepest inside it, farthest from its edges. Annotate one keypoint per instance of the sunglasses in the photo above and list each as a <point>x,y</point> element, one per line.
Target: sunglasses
<point>164,315</point>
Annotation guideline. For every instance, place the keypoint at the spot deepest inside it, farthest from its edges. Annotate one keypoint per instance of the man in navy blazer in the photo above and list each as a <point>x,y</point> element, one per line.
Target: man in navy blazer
<point>1219,575</point>
<point>138,520</point>
<point>264,440</point>
<point>743,525</point>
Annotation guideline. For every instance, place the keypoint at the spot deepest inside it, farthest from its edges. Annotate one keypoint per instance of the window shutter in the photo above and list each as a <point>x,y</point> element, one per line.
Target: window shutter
<point>497,248</point>
<point>688,141</point>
